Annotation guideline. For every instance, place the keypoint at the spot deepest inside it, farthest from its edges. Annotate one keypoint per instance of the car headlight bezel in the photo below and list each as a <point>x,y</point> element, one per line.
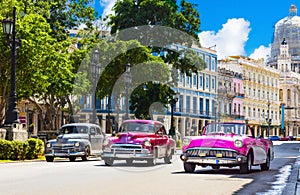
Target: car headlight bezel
<point>238,143</point>
<point>48,145</point>
<point>147,143</point>
<point>186,141</point>
<point>105,142</point>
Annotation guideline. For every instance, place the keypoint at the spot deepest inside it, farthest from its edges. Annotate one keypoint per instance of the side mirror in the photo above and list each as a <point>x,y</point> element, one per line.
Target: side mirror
<point>114,133</point>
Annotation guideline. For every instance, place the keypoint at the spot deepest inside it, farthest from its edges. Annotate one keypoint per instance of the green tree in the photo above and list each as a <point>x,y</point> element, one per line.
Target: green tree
<point>135,14</point>
<point>45,66</point>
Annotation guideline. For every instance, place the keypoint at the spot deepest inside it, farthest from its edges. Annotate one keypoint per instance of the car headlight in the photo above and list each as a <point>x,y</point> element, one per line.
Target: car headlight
<point>105,142</point>
<point>238,143</point>
<point>147,143</point>
<point>48,145</point>
<point>186,141</point>
<point>77,144</point>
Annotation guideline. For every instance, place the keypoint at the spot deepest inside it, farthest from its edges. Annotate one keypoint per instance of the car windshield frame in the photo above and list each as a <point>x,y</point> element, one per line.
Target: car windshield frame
<point>228,128</point>
<point>74,129</point>
<point>137,127</point>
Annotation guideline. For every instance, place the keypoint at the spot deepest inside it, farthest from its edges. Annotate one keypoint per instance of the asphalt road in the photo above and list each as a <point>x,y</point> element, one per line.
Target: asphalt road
<point>93,177</point>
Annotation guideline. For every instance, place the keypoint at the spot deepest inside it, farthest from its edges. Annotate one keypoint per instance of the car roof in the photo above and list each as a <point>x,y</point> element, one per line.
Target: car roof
<point>80,124</point>
<point>143,121</point>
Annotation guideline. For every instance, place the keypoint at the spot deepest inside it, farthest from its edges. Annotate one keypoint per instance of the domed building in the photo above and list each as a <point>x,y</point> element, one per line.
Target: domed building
<point>285,57</point>
<point>287,29</point>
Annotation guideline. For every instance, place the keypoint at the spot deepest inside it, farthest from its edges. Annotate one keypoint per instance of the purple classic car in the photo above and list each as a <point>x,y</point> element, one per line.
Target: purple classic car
<point>139,140</point>
<point>227,145</point>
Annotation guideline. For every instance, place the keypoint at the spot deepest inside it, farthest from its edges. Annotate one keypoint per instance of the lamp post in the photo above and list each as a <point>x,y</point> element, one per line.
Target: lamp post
<point>172,103</point>
<point>128,80</point>
<point>95,72</point>
<point>268,120</point>
<point>9,28</point>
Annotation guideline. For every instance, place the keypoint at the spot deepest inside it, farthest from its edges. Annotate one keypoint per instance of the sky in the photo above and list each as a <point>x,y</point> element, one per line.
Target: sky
<point>236,27</point>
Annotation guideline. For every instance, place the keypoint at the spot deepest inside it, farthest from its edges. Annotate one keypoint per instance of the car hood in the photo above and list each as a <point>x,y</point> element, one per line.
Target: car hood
<point>133,137</point>
<point>72,136</point>
<point>215,141</point>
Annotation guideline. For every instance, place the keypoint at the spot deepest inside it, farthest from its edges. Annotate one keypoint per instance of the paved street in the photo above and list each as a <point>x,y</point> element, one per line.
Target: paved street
<point>93,177</point>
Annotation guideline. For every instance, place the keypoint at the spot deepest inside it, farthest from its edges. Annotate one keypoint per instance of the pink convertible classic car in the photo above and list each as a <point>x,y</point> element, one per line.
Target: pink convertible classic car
<point>144,140</point>
<point>228,145</point>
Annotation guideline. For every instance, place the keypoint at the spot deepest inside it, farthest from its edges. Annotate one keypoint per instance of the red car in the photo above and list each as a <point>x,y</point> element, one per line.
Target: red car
<point>287,138</point>
<point>144,140</point>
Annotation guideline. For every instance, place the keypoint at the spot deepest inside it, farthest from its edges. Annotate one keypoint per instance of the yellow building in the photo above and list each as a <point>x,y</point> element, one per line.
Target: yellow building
<point>261,105</point>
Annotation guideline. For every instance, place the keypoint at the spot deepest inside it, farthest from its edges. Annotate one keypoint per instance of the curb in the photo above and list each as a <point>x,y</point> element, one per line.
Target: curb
<point>293,184</point>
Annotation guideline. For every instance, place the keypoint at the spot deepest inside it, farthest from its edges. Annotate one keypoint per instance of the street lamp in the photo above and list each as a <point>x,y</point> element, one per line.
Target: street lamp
<point>95,71</point>
<point>128,81</point>
<point>9,28</point>
<point>172,103</point>
<point>268,120</point>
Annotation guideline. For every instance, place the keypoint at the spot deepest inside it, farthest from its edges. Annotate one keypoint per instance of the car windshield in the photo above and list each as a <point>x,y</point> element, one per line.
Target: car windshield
<point>137,127</point>
<point>74,129</point>
<point>227,128</point>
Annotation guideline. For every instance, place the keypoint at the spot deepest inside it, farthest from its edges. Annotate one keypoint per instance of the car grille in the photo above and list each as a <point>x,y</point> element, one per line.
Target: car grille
<point>211,152</point>
<point>62,149</point>
<point>126,148</point>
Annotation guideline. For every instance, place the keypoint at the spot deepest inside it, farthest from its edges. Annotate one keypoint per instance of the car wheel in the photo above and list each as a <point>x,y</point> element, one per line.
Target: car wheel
<point>109,162</point>
<point>129,161</point>
<point>215,167</point>
<point>72,158</point>
<point>266,165</point>
<point>167,159</point>
<point>189,167</point>
<point>86,154</point>
<point>151,161</point>
<point>246,167</point>
<point>49,158</point>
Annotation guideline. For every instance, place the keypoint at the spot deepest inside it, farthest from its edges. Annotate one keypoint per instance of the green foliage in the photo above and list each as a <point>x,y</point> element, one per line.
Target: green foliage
<point>36,147</point>
<point>179,143</point>
<point>18,150</point>
<point>5,149</point>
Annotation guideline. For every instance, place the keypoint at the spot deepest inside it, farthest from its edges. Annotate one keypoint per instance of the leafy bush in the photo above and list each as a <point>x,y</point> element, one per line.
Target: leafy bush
<point>5,149</point>
<point>18,150</point>
<point>178,143</point>
<point>36,148</point>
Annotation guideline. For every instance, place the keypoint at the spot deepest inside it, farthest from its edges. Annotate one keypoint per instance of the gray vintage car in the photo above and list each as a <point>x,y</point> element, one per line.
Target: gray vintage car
<point>76,140</point>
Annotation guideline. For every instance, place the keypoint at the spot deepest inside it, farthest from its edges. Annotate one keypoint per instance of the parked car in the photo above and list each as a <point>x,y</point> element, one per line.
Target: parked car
<point>298,137</point>
<point>226,144</point>
<point>287,138</point>
<point>76,140</point>
<point>274,138</point>
<point>142,140</point>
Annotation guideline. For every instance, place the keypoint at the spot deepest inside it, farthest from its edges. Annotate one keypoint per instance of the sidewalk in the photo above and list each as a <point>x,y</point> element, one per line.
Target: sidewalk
<point>293,184</point>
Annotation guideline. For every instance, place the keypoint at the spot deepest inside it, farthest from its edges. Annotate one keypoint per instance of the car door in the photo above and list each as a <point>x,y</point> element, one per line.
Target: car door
<point>96,139</point>
<point>162,140</point>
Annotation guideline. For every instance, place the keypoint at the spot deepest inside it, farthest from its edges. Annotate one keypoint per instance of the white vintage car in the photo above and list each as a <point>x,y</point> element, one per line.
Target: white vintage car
<point>76,140</point>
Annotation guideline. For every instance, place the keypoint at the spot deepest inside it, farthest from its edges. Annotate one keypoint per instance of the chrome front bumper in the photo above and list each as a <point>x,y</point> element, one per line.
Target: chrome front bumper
<point>123,153</point>
<point>214,160</point>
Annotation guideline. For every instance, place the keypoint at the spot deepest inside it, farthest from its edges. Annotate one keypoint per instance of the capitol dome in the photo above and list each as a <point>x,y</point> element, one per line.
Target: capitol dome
<point>288,28</point>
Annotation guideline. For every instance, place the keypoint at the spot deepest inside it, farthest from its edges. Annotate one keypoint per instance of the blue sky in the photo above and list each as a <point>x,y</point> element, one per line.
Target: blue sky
<point>236,27</point>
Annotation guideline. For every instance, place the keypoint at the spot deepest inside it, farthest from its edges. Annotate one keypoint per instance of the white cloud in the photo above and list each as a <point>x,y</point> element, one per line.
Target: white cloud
<point>261,52</point>
<point>230,40</point>
<point>107,5</point>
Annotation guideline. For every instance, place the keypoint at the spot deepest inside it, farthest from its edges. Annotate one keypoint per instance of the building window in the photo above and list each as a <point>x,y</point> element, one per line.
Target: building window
<point>213,83</point>
<point>201,106</point>
<point>249,111</point>
<point>289,94</point>
<point>254,115</point>
<point>201,81</point>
